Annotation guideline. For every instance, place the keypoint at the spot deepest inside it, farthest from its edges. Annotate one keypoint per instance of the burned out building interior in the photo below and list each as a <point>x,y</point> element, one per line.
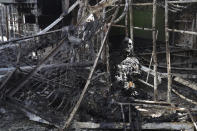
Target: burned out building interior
<point>103,65</point>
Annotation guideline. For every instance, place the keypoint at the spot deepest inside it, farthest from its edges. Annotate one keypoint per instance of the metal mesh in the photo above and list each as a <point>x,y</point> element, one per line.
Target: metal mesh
<point>50,75</point>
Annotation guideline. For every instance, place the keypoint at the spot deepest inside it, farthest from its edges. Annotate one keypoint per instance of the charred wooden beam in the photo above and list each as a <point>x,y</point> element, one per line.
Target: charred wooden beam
<point>144,82</point>
<point>27,37</point>
<point>179,68</point>
<point>168,53</point>
<point>187,83</point>
<point>183,1</point>
<point>126,24</point>
<point>101,5</point>
<point>161,107</point>
<point>183,97</point>
<point>135,27</point>
<point>38,67</point>
<point>142,4</point>
<point>76,107</point>
<point>3,71</point>
<point>136,4</point>
<point>178,79</point>
<point>154,35</point>
<point>131,20</point>
<point>123,13</point>
<point>183,31</point>
<point>18,1</point>
<point>185,76</point>
<point>61,17</point>
<point>172,52</point>
<point>192,118</point>
<point>178,94</point>
<point>146,102</point>
<point>148,126</point>
<point>148,70</point>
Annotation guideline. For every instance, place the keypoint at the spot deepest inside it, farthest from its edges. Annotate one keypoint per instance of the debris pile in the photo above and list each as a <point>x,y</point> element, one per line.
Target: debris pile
<point>78,76</point>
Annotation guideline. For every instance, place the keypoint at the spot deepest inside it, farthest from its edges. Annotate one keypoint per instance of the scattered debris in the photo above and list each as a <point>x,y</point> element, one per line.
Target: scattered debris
<point>70,72</point>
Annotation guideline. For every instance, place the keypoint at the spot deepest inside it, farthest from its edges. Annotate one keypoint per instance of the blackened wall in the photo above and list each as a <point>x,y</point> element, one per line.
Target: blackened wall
<point>50,7</point>
<point>50,10</point>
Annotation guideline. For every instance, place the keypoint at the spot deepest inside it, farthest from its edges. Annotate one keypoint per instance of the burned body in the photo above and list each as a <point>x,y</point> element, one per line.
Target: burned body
<point>129,68</point>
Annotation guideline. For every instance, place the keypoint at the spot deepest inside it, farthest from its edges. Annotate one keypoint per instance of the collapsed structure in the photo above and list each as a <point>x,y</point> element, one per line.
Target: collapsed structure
<point>68,73</point>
